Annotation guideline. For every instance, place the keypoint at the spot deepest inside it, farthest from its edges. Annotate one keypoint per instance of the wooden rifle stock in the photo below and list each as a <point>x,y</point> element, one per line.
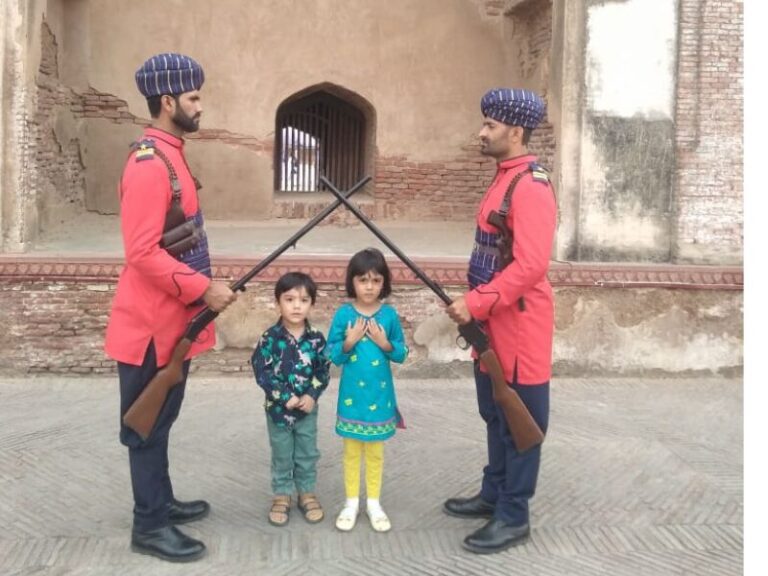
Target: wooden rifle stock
<point>142,415</point>
<point>523,428</point>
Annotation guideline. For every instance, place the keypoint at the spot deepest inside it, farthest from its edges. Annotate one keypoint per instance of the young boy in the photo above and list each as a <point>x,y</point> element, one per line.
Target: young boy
<point>290,366</point>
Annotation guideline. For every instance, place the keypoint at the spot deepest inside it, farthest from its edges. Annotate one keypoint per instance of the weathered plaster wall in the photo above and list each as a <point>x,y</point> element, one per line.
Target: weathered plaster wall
<point>60,188</point>
<point>631,331</point>
<point>43,179</point>
<point>624,192</point>
<point>258,54</point>
<point>527,43</point>
<point>628,131</point>
<point>646,99</point>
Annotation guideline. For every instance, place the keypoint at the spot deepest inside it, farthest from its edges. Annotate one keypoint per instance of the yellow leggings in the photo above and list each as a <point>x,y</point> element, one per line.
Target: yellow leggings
<point>374,467</point>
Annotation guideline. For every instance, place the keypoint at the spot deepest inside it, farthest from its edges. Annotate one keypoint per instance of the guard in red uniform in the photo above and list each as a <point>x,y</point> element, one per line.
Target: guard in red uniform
<point>162,286</point>
<point>511,296</point>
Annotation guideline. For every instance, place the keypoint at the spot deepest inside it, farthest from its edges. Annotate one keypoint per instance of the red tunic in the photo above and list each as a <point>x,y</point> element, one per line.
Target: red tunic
<point>522,338</point>
<point>154,288</point>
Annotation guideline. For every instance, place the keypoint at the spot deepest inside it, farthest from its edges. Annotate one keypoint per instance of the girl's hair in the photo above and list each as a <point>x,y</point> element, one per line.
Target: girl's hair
<point>293,280</point>
<point>362,263</point>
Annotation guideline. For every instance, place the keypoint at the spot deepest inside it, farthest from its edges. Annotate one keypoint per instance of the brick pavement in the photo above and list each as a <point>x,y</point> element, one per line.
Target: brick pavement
<point>639,477</point>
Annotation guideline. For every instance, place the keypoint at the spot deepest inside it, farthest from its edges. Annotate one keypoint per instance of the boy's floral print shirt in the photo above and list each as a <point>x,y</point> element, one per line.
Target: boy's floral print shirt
<point>284,366</point>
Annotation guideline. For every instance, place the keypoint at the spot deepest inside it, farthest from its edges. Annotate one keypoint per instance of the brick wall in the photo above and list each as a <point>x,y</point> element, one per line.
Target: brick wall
<point>54,326</point>
<point>709,117</point>
<point>54,320</point>
<point>532,31</point>
<point>58,326</point>
<point>532,39</point>
<point>58,171</point>
<point>447,190</point>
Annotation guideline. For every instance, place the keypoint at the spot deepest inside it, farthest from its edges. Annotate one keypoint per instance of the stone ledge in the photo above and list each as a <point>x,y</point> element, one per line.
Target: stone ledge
<point>445,271</point>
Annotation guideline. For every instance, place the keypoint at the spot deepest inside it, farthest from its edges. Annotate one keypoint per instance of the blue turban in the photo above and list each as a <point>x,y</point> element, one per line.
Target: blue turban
<point>513,106</point>
<point>169,73</point>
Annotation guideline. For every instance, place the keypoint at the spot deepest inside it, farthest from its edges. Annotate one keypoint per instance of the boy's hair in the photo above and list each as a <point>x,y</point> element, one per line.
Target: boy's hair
<point>362,263</point>
<point>293,280</point>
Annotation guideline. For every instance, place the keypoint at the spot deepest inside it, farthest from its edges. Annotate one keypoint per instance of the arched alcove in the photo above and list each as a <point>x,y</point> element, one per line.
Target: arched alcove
<point>324,130</point>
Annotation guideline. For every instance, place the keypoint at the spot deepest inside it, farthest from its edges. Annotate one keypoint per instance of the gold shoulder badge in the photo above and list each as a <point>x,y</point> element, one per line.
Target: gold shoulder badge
<point>144,152</point>
<point>538,173</point>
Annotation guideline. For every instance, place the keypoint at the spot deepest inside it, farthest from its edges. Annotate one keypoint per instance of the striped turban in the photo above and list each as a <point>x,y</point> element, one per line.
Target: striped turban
<point>513,106</point>
<point>169,73</point>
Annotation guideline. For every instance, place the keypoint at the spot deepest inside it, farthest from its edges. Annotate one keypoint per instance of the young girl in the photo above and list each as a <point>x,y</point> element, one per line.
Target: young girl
<point>364,336</point>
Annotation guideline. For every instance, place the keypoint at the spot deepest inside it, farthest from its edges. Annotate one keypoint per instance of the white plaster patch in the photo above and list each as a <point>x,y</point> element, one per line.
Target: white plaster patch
<point>438,334</point>
<point>631,54</point>
<point>671,342</point>
<point>630,231</point>
<point>716,311</point>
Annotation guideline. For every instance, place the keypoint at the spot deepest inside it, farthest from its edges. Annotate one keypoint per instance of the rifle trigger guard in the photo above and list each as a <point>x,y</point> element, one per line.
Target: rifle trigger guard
<point>462,343</point>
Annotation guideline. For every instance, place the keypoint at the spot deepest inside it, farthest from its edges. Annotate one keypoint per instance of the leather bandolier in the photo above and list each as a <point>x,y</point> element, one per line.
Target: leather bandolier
<point>493,252</point>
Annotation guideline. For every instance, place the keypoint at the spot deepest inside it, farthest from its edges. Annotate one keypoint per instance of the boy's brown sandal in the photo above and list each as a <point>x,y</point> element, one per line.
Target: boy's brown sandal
<point>278,514</point>
<point>310,507</point>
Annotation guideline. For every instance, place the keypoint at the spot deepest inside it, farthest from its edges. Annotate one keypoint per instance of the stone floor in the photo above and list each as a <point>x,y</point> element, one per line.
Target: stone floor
<point>639,477</point>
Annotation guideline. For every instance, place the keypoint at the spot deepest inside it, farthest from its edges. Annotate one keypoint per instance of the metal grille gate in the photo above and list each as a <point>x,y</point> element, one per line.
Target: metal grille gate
<point>319,134</point>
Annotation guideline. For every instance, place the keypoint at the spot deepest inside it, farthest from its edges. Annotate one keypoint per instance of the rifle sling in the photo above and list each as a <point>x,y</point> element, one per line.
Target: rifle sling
<point>498,219</point>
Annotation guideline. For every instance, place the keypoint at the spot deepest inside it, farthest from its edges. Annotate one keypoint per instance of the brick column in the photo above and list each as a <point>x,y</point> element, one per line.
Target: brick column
<point>14,139</point>
<point>709,114</point>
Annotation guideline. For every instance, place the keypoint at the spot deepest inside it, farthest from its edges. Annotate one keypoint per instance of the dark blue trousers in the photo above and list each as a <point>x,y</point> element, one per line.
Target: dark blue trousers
<point>509,479</point>
<point>152,490</point>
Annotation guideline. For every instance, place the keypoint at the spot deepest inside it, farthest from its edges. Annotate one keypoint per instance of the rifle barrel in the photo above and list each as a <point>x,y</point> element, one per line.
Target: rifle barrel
<point>206,315</point>
<point>387,242</point>
<point>240,284</point>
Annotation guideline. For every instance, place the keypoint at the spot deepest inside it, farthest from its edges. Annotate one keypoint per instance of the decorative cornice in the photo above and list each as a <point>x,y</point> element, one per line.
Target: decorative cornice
<point>332,269</point>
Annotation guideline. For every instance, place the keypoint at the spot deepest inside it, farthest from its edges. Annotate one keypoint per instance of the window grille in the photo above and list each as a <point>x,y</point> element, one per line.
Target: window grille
<point>318,135</point>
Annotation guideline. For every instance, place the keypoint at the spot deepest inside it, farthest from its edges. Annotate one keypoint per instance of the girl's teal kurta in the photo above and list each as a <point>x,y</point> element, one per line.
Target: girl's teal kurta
<point>367,408</point>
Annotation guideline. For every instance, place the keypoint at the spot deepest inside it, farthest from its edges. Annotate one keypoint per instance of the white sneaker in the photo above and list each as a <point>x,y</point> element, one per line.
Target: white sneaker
<point>347,518</point>
<point>379,519</point>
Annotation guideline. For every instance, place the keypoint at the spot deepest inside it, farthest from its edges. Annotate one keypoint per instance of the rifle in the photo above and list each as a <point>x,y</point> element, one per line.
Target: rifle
<point>523,428</point>
<point>143,413</point>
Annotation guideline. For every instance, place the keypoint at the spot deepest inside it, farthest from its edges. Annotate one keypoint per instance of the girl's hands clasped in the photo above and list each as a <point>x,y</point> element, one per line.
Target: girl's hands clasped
<point>378,335</point>
<point>354,333</point>
<point>371,328</point>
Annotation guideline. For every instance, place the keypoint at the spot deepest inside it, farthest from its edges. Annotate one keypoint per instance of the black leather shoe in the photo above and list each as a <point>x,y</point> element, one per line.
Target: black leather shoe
<point>474,507</point>
<point>168,543</point>
<point>496,536</point>
<point>183,512</point>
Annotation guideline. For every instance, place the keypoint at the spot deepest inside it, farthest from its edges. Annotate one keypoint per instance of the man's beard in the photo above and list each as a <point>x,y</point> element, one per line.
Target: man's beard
<point>186,123</point>
<point>487,150</point>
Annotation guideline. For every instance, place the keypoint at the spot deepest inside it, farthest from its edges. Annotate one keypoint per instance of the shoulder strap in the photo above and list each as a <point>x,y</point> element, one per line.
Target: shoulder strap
<point>538,173</point>
<point>175,185</point>
<point>172,177</point>
<point>174,217</point>
<point>505,204</point>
